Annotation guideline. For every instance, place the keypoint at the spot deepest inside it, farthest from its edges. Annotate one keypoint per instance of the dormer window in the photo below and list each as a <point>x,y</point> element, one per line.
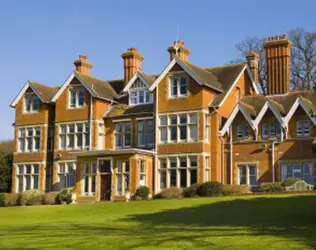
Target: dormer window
<point>31,103</point>
<point>76,98</point>
<point>302,128</point>
<point>242,132</point>
<point>138,94</point>
<point>178,86</point>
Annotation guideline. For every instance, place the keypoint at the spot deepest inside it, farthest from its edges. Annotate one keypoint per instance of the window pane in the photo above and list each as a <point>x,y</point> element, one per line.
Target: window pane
<point>20,169</point>
<point>141,96</point>
<point>86,184</point>
<point>70,141</point>
<point>35,182</point>
<point>119,140</point>
<point>173,163</point>
<point>242,175</point>
<point>193,162</point>
<point>173,133</point>
<point>163,134</point>
<point>27,104</point>
<point>163,164</point>
<point>163,179</point>
<point>93,184</point>
<point>126,182</point>
<point>183,86</point>
<point>28,169</point>
<point>193,118</point>
<point>252,175</point>
<point>174,87</point>
<point>127,169</point>
<point>119,167</point>
<point>35,103</point>
<point>127,141</point>
<point>81,97</point>
<point>297,171</point>
<point>163,120</point>
<point>183,178</point>
<point>35,168</point>
<point>79,140</point>
<point>193,176</point>
<point>308,173</point>
<point>173,177</point>
<point>37,143</point>
<point>20,183</point>
<point>72,98</point>
<point>105,166</point>
<point>183,132</point>
<point>193,132</point>
<point>27,182</point>
<point>119,184</point>
<point>173,120</point>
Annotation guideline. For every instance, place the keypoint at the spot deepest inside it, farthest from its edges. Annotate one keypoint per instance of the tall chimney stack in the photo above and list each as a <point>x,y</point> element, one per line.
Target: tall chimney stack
<point>132,63</point>
<point>278,58</point>
<point>178,49</point>
<point>83,66</point>
<point>253,63</point>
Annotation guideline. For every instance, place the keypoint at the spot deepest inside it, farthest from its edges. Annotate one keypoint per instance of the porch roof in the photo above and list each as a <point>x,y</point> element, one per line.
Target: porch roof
<point>109,152</point>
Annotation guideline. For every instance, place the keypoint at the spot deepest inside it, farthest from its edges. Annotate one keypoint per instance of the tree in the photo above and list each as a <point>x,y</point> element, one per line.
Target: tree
<point>6,162</point>
<point>303,60</point>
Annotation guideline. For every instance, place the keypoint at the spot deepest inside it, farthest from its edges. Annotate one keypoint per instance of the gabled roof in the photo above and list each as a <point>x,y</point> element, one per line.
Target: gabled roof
<point>43,92</point>
<point>147,79</point>
<point>201,76</point>
<point>96,87</point>
<point>125,110</point>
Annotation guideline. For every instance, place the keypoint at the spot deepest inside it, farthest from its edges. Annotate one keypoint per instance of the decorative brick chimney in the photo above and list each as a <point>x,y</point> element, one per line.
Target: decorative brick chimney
<point>83,66</point>
<point>132,63</point>
<point>253,63</point>
<point>178,49</point>
<point>278,57</point>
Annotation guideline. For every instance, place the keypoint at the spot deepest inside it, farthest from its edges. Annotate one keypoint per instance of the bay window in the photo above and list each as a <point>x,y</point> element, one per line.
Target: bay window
<point>122,177</point>
<point>90,171</point>
<point>301,170</point>
<point>27,177</point>
<point>74,136</point>
<point>31,103</point>
<point>145,131</point>
<point>76,97</point>
<point>123,133</point>
<point>66,174</point>
<point>29,139</point>
<point>247,175</point>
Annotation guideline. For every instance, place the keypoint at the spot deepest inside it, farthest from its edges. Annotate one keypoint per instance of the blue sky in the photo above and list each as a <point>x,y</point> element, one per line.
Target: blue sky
<point>40,39</point>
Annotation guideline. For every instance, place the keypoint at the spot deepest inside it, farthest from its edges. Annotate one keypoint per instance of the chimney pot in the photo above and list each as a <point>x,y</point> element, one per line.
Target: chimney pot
<point>132,63</point>
<point>253,63</point>
<point>83,66</point>
<point>182,52</point>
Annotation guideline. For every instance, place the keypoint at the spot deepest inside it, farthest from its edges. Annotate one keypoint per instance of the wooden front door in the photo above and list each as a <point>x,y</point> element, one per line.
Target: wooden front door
<point>106,187</point>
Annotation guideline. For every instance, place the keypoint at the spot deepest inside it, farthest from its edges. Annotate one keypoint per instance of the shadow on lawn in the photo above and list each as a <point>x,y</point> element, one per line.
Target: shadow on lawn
<point>291,217</point>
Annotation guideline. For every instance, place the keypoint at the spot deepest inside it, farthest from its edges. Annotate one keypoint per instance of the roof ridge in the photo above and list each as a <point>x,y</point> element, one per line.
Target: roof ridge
<point>222,66</point>
<point>41,84</point>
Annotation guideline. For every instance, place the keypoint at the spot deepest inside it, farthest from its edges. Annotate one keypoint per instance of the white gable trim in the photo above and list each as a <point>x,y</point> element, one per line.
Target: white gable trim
<point>262,112</point>
<point>231,118</point>
<point>67,82</point>
<point>134,78</point>
<point>235,82</point>
<point>175,61</point>
<point>294,107</point>
<point>27,85</point>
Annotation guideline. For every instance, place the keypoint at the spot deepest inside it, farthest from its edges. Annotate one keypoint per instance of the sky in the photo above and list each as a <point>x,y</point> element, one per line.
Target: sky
<point>39,40</point>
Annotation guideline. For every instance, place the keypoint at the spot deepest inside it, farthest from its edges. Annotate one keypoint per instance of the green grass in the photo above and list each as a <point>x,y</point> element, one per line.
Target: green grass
<point>256,222</point>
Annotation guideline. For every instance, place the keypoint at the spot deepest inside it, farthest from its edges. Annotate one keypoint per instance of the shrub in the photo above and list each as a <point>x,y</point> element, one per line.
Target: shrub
<point>51,198</point>
<point>210,189</point>
<point>171,193</point>
<point>158,196</point>
<point>65,195</point>
<point>235,189</point>
<point>290,181</point>
<point>31,197</point>
<point>271,187</point>
<point>191,191</point>
<point>2,199</point>
<point>11,199</point>
<point>143,192</point>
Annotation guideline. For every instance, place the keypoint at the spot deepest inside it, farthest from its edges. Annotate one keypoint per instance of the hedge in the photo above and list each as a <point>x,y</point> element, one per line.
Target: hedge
<point>170,193</point>
<point>235,189</point>
<point>210,189</point>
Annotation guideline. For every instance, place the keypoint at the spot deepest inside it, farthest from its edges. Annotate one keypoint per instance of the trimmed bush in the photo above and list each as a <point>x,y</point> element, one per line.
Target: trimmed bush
<point>235,189</point>
<point>210,189</point>
<point>171,193</point>
<point>31,198</point>
<point>51,198</point>
<point>11,199</point>
<point>64,195</point>
<point>2,199</point>
<point>143,192</point>
<point>290,181</point>
<point>271,187</point>
<point>191,191</point>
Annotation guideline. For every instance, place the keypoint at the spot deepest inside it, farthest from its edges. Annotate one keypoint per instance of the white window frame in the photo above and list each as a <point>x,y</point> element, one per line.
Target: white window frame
<point>177,78</point>
<point>66,174</point>
<point>84,133</point>
<point>206,128</point>
<point>32,175</point>
<point>291,166</point>
<point>273,130</point>
<point>124,173</point>
<point>135,91</point>
<point>303,128</point>
<point>24,137</point>
<point>142,173</point>
<point>241,132</point>
<point>32,98</point>
<point>189,125</point>
<point>89,173</point>
<point>247,166</point>
<point>207,169</point>
<point>77,91</point>
<point>145,133</point>
<point>123,133</point>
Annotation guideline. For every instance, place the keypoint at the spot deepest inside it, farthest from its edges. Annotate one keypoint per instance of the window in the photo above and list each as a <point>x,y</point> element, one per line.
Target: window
<point>302,128</point>
<point>142,173</point>
<point>207,128</point>
<point>122,177</point>
<point>76,97</point>
<point>242,132</point>
<point>207,168</point>
<point>27,177</point>
<point>66,174</point>
<point>248,175</point>
<point>178,128</point>
<point>31,103</point>
<point>90,171</point>
<point>177,171</point>
<point>49,175</point>
<point>178,86</point>
<point>237,94</point>
<point>123,135</point>
<point>299,170</point>
<point>29,139</point>
<point>139,94</point>
<point>145,132</point>
<point>74,136</point>
<point>271,130</point>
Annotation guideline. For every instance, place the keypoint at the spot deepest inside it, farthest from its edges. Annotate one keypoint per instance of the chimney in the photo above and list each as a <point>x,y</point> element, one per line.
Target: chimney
<point>253,63</point>
<point>83,66</point>
<point>278,57</point>
<point>178,49</point>
<point>132,63</point>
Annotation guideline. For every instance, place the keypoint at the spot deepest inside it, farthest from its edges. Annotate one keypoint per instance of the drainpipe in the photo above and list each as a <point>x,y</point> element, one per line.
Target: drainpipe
<point>231,155</point>
<point>90,123</point>
<point>156,143</point>
<point>222,158</point>
<point>273,159</point>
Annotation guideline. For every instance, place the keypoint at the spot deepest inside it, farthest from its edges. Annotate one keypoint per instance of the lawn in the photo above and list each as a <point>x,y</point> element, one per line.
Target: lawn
<point>256,222</point>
